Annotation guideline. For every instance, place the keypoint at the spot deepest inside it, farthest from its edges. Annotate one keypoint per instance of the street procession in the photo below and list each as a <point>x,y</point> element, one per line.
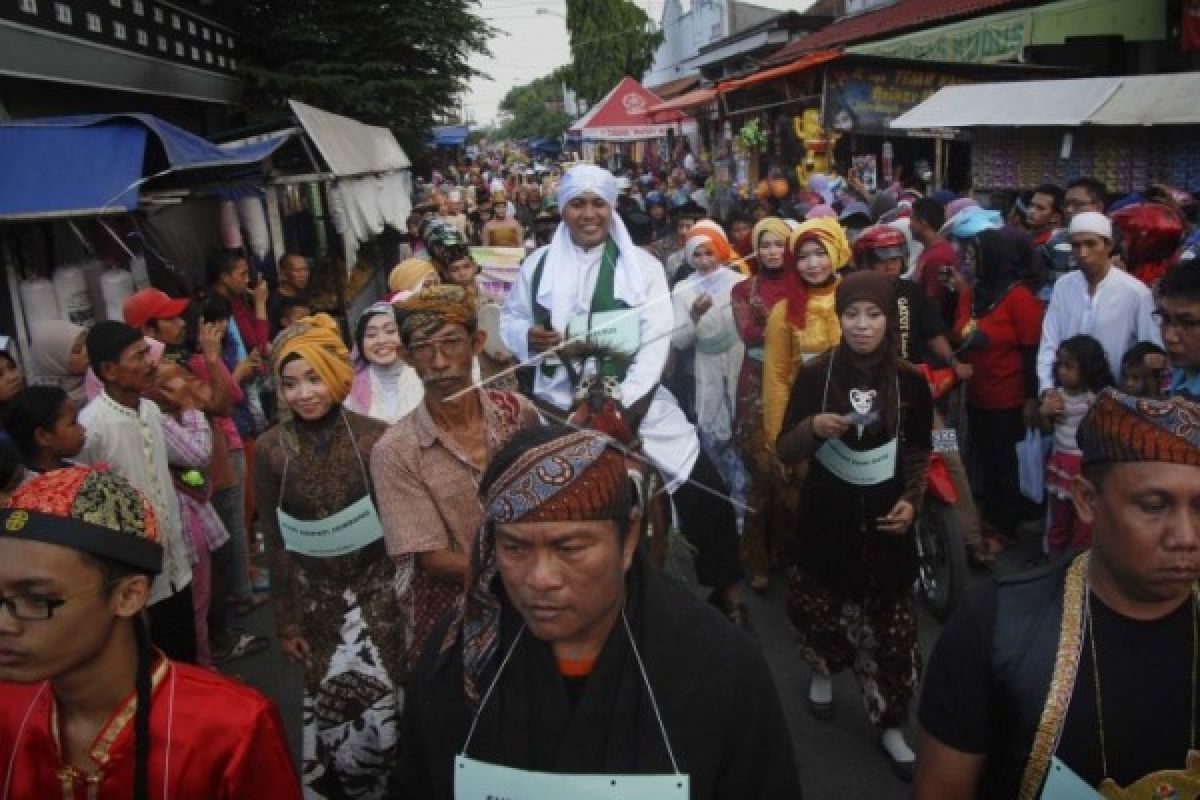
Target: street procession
<point>600,400</point>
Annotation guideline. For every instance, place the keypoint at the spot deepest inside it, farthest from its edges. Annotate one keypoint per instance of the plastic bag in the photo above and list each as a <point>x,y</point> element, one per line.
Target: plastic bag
<point>1032,452</point>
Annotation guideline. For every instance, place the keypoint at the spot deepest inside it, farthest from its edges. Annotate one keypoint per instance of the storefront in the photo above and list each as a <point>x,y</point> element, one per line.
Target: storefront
<point>1128,132</point>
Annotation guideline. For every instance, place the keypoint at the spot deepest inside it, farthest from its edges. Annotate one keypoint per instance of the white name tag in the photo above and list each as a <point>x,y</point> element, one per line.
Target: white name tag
<point>1063,784</point>
<point>859,467</point>
<point>619,330</point>
<point>353,528</point>
<point>477,780</point>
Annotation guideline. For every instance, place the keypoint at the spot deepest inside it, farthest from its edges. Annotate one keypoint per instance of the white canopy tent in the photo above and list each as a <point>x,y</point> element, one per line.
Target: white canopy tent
<point>1130,100</point>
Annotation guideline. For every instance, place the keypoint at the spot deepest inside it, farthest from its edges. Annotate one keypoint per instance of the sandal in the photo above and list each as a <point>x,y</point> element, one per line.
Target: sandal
<point>247,644</point>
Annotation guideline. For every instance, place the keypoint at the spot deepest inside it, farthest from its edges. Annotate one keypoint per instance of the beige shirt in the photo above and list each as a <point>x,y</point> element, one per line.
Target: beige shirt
<point>427,488</point>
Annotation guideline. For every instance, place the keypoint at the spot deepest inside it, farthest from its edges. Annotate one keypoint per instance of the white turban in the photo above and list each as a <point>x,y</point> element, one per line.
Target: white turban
<point>587,178</point>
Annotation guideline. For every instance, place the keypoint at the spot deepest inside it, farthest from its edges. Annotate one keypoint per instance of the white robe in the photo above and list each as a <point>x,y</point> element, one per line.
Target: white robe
<point>566,287</point>
<point>719,348</point>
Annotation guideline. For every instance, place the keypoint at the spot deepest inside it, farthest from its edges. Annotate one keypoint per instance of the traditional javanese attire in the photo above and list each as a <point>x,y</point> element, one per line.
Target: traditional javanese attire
<point>1056,688</point>
<point>795,336</point>
<point>852,598</point>
<point>331,579</point>
<point>718,359</point>
<point>641,709</point>
<point>565,287</point>
<point>206,737</point>
<point>212,739</point>
<point>767,529</point>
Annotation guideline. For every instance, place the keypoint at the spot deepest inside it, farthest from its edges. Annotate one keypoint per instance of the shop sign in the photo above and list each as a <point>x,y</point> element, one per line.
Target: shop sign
<point>867,99</point>
<point>983,42</point>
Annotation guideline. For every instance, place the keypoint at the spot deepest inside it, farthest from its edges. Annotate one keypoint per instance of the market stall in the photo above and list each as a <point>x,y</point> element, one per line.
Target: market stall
<point>1126,131</point>
<point>620,130</point>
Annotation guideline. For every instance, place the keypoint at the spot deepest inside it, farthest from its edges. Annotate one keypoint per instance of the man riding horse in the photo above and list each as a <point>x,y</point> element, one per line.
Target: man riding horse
<point>592,283</point>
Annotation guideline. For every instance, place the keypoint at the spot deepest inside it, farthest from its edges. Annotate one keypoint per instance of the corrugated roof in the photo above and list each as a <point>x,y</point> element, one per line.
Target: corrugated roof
<point>902,16</point>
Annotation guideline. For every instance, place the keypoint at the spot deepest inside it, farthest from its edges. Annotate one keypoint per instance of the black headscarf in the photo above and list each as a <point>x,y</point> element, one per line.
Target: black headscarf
<point>1003,258</point>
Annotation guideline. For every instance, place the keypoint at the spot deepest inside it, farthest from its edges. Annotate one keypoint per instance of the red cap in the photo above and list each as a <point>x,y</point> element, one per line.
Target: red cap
<point>147,304</point>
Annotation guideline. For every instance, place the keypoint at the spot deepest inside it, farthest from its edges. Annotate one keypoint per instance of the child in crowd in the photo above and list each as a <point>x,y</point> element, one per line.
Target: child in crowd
<point>1081,371</point>
<point>290,310</point>
<point>1145,371</point>
<point>43,423</point>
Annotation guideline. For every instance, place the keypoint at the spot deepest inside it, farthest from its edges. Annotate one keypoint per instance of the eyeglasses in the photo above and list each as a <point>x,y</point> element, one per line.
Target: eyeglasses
<point>450,346</point>
<point>37,607</point>
<point>1165,320</point>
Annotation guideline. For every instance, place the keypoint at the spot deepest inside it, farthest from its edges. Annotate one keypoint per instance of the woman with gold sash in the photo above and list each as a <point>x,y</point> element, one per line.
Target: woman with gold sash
<point>333,584</point>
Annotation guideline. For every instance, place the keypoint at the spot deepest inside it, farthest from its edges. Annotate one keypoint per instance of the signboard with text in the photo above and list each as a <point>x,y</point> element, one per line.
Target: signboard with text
<point>867,99</point>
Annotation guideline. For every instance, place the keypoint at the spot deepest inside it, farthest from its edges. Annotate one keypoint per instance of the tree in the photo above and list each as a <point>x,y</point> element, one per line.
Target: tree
<point>536,107</point>
<point>401,64</point>
<point>609,40</point>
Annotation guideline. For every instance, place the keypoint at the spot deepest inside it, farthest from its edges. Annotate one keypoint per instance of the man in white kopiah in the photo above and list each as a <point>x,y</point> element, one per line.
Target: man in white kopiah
<point>592,276</point>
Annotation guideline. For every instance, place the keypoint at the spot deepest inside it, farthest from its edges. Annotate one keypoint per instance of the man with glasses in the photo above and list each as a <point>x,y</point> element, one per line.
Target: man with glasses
<point>88,707</point>
<point>1083,194</point>
<point>427,466</point>
<point>1105,303</point>
<point>1177,312</point>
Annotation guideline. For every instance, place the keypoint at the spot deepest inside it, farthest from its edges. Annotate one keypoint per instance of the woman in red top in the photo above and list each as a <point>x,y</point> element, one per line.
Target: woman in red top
<point>752,300</point>
<point>1006,318</point>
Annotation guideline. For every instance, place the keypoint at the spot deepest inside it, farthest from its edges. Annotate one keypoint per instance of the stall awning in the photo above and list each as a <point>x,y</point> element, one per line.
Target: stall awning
<point>348,146</point>
<point>1132,100</point>
<point>807,61</point>
<point>623,116</point>
<point>684,102</point>
<point>94,164</point>
<point>449,136</point>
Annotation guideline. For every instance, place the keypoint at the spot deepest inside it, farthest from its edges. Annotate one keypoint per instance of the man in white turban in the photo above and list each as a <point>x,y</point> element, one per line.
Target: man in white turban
<point>592,281</point>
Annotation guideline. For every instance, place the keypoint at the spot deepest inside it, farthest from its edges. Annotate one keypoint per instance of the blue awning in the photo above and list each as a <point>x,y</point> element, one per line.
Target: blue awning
<point>450,136</point>
<point>94,164</point>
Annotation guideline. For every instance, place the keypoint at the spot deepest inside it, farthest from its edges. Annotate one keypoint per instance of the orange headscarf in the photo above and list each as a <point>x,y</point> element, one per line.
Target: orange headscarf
<point>714,235</point>
<point>318,341</point>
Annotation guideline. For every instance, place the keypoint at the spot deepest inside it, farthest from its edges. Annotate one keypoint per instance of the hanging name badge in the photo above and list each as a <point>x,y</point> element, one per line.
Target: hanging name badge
<point>477,780</point>
<point>353,528</point>
<point>859,467</point>
<point>617,330</point>
<point>1063,784</point>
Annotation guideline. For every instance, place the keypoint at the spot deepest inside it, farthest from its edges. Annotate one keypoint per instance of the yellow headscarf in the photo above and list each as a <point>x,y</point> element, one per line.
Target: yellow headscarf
<point>409,273</point>
<point>830,234</point>
<point>318,341</point>
<point>773,225</point>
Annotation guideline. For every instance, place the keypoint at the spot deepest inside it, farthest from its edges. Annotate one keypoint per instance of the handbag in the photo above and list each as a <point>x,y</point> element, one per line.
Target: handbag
<point>1032,452</point>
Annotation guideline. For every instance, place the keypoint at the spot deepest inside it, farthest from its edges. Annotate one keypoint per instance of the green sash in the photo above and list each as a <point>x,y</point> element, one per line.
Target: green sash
<point>603,299</point>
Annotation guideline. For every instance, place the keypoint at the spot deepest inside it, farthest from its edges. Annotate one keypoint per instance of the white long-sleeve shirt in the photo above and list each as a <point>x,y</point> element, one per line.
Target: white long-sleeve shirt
<point>668,438</point>
<point>133,445</point>
<point>1118,314</point>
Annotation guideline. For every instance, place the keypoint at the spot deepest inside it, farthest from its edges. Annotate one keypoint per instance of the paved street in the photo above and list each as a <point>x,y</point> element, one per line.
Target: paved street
<point>839,759</point>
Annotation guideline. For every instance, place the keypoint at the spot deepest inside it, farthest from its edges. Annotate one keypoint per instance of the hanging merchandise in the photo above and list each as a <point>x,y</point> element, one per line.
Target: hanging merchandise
<point>74,301</point>
<point>254,222</point>
<point>39,300</point>
<point>141,278</point>
<point>231,230</point>
<point>116,285</point>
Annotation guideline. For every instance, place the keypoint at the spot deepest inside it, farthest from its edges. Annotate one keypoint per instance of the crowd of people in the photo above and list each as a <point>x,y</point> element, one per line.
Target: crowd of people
<point>458,557</point>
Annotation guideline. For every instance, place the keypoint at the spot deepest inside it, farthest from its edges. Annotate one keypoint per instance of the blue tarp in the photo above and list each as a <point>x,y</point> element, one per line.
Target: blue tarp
<point>449,136</point>
<point>94,164</point>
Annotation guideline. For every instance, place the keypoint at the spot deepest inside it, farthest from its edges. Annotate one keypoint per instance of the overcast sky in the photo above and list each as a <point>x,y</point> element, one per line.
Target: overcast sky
<point>530,45</point>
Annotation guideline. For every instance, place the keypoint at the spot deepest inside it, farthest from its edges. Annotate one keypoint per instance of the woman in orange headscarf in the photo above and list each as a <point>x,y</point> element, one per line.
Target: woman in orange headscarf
<point>331,579</point>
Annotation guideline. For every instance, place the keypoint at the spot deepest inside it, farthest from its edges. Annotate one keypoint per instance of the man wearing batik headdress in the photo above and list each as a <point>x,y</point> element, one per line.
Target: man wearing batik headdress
<point>591,282</point>
<point>1084,674</point>
<point>573,664</point>
<point>428,464</point>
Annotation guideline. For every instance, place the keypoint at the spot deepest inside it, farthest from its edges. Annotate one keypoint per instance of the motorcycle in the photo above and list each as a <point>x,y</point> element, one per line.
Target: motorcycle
<point>941,545</point>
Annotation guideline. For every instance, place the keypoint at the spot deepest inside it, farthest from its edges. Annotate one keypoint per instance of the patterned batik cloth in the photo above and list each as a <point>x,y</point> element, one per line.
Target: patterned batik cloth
<point>876,639</point>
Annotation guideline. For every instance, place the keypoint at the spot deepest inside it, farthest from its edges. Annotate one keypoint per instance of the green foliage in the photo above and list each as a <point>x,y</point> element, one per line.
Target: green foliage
<point>609,40</point>
<point>535,108</point>
<point>398,64</point>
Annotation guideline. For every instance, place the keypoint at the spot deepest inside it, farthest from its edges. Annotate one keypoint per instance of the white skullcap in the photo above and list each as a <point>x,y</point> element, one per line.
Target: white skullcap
<point>1091,222</point>
<point>587,178</point>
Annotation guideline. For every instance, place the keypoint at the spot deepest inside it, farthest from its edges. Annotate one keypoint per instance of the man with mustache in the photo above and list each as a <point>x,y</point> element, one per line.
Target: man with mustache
<point>1083,673</point>
<point>427,466</point>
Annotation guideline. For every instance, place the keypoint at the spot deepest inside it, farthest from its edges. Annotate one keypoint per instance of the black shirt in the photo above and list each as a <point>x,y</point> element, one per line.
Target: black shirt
<point>1145,681</point>
<point>919,322</point>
